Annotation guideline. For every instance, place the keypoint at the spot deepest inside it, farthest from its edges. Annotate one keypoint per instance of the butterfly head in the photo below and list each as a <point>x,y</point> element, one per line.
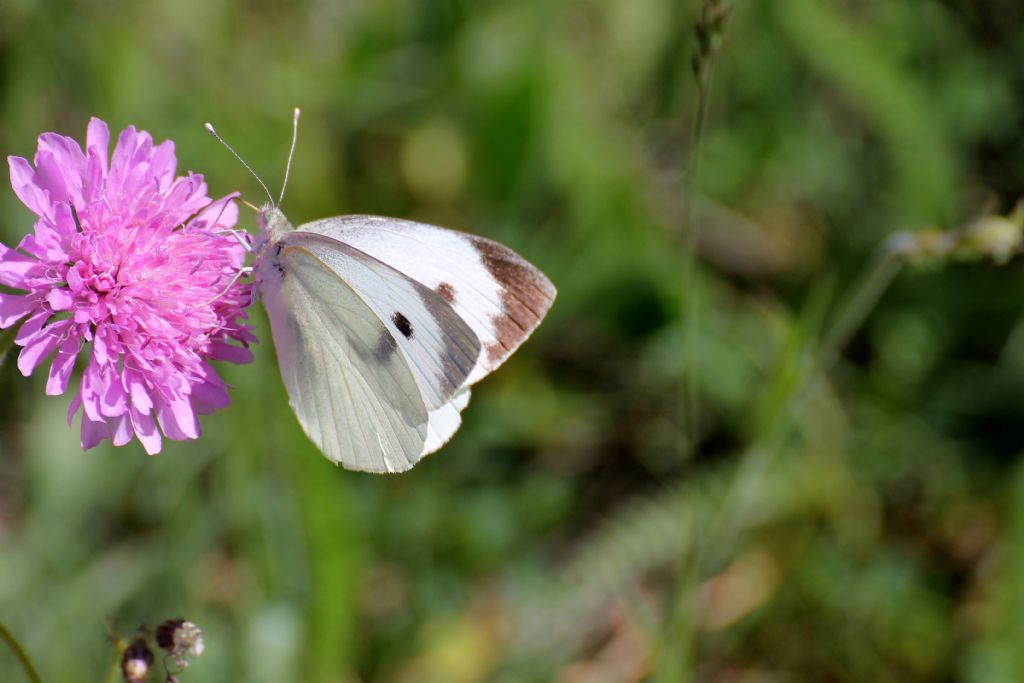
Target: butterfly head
<point>273,223</point>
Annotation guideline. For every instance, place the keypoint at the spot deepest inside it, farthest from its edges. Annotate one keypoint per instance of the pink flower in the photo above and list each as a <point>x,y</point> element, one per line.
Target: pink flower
<point>140,267</point>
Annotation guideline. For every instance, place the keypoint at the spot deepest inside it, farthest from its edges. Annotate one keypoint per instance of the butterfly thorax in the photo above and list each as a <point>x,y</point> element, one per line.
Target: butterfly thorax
<point>273,227</point>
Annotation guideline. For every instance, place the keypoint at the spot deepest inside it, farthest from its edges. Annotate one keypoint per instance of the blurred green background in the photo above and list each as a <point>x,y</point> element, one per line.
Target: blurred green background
<point>860,524</point>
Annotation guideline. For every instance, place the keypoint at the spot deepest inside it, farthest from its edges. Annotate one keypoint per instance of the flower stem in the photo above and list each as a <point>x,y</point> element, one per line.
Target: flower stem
<point>120,645</point>
<point>679,640</point>
<point>886,265</point>
<point>691,317</point>
<point>20,654</point>
<point>681,631</point>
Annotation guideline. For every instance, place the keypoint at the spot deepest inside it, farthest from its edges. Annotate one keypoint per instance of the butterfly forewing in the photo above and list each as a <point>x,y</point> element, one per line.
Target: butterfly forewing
<point>353,392</point>
<point>498,294</point>
<point>440,348</point>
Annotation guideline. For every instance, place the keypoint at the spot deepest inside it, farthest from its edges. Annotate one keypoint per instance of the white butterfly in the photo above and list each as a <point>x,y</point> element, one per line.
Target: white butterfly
<point>381,325</point>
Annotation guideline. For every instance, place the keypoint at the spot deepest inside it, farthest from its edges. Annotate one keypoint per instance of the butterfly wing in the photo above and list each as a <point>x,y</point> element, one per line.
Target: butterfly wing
<point>355,398</point>
<point>499,295</point>
<point>443,422</point>
<point>441,349</point>
<point>374,363</point>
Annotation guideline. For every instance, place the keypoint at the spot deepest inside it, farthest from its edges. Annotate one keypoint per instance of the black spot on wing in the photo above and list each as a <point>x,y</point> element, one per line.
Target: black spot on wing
<point>403,324</point>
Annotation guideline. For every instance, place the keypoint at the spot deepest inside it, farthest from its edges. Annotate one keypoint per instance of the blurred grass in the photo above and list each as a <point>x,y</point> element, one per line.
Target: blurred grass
<point>878,541</point>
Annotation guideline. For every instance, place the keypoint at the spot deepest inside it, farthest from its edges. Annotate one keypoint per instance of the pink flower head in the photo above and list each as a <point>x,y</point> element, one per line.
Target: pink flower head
<point>141,265</point>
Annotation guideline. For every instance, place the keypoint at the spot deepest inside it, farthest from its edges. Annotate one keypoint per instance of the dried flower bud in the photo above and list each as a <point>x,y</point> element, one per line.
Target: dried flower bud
<point>708,30</point>
<point>136,661</point>
<point>165,633</point>
<point>182,639</point>
<point>996,237</point>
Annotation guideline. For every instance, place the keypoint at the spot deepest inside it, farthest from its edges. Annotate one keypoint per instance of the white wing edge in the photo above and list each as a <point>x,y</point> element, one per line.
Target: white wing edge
<point>445,421</point>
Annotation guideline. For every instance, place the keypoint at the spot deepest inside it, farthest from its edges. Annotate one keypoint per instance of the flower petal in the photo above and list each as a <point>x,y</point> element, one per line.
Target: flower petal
<point>39,349</point>
<point>93,432</point>
<point>99,348</point>
<point>76,403</point>
<point>13,307</point>
<point>63,364</point>
<point>64,223</point>
<point>220,350</point>
<point>145,429</point>
<point>45,243</point>
<point>97,141</point>
<point>23,182</point>
<point>210,395</point>
<point>50,177</point>
<point>21,172</point>
<point>121,430</point>
<point>91,386</point>
<point>163,164</point>
<point>60,299</point>
<point>69,159</point>
<point>32,327</point>
<point>113,400</point>
<point>138,391</point>
<point>177,419</point>
<point>15,267</point>
<point>120,162</point>
<point>221,213</point>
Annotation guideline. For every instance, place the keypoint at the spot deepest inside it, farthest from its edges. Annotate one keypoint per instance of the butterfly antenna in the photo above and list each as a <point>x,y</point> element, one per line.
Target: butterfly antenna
<point>209,127</point>
<point>291,153</point>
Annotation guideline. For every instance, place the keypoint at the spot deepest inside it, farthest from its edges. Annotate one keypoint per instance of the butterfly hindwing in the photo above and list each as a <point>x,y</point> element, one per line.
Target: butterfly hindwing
<point>444,421</point>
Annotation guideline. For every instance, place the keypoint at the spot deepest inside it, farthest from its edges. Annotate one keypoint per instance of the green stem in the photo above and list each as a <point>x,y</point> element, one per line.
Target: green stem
<point>679,640</point>
<point>114,673</point>
<point>20,654</point>
<point>691,312</point>
<point>682,630</point>
<point>886,265</point>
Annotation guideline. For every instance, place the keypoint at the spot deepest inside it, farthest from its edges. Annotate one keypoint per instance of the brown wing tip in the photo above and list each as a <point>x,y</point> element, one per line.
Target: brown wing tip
<point>526,296</point>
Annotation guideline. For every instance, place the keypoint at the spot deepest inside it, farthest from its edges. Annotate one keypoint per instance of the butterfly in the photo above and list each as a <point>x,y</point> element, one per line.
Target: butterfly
<point>381,326</point>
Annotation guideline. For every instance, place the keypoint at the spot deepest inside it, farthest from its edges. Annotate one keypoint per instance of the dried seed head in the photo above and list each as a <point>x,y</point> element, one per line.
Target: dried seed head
<point>136,661</point>
<point>708,30</point>
<point>182,639</point>
<point>189,639</point>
